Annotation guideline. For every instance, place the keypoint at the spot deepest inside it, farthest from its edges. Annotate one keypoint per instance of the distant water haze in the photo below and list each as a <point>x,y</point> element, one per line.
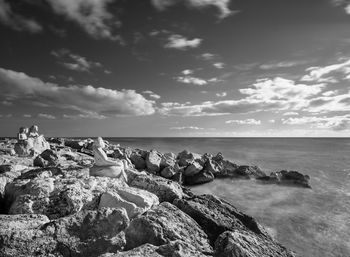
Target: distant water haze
<point>312,222</point>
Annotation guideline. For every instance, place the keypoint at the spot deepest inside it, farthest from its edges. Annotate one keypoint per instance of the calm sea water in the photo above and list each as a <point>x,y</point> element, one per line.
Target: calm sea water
<point>312,222</point>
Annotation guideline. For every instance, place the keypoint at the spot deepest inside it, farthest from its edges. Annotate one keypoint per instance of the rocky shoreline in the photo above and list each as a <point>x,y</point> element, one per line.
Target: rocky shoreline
<point>51,206</point>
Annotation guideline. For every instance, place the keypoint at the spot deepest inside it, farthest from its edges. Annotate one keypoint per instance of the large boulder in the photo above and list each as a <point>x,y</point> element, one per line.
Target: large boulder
<point>240,243</point>
<point>186,158</point>
<point>153,160</point>
<point>168,172</point>
<point>138,161</point>
<point>46,158</point>
<point>168,159</point>
<point>193,169</point>
<point>216,216</point>
<point>75,144</point>
<point>166,190</point>
<point>57,196</point>
<point>31,146</point>
<point>283,177</point>
<point>247,171</point>
<point>199,178</point>
<point>135,201</point>
<point>163,224</point>
<point>87,233</point>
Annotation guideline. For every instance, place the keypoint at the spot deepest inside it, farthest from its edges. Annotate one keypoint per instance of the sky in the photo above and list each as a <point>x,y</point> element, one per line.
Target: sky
<point>168,68</point>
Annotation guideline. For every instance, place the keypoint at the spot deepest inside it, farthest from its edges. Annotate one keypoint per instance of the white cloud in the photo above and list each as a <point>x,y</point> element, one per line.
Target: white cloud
<point>265,95</point>
<point>290,114</point>
<point>191,80</point>
<point>223,94</point>
<point>335,122</point>
<point>46,116</point>
<point>152,94</point>
<point>16,21</point>
<point>74,61</point>
<point>272,121</point>
<point>219,65</point>
<point>326,74</point>
<point>244,122</point>
<point>285,64</point>
<point>91,115</point>
<point>181,43</point>
<point>207,56</point>
<point>187,72</point>
<point>91,15</point>
<point>186,128</point>
<point>221,5</point>
<point>87,100</point>
<point>27,115</point>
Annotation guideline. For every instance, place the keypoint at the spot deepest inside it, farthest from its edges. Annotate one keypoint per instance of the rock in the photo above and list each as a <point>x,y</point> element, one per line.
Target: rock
<point>168,159</point>
<point>246,244</point>
<point>216,216</point>
<point>31,145</point>
<point>185,158</point>
<point>153,160</point>
<point>199,178</point>
<point>168,172</point>
<point>134,201</point>
<point>178,177</point>
<point>46,158</point>
<point>108,171</point>
<point>56,196</point>
<point>75,144</point>
<point>87,233</point>
<point>249,171</point>
<point>56,140</point>
<point>166,190</point>
<point>145,250</point>
<point>20,235</point>
<point>138,161</point>
<point>42,173</point>
<point>163,224</point>
<point>193,169</point>
<point>284,177</point>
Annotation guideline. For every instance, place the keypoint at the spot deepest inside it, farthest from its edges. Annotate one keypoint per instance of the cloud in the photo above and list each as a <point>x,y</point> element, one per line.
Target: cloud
<point>207,56</point>
<point>219,65</point>
<point>16,21</point>
<point>221,5</point>
<point>91,15</point>
<point>186,128</point>
<point>27,115</point>
<point>87,100</point>
<point>46,116</point>
<point>191,80</point>
<point>181,43</point>
<point>244,122</point>
<point>276,94</point>
<point>187,72</point>
<point>84,116</point>
<point>75,62</point>
<point>223,94</point>
<point>326,74</point>
<point>277,65</point>
<point>151,94</point>
<point>272,121</point>
<point>334,123</point>
<point>290,113</point>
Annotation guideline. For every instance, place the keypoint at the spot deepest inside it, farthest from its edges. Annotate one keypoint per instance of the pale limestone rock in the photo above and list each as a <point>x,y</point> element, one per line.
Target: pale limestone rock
<point>153,160</point>
<point>193,169</point>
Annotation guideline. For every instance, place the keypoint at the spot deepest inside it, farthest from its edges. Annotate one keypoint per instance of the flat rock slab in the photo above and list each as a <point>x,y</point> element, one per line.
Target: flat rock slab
<point>216,216</point>
<point>166,190</point>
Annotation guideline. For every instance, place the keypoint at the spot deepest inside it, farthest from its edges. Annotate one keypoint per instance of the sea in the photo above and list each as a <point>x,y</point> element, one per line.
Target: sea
<point>311,222</point>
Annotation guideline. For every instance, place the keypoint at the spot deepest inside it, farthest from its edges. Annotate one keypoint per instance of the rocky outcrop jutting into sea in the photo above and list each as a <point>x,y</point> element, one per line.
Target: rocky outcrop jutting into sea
<point>51,206</point>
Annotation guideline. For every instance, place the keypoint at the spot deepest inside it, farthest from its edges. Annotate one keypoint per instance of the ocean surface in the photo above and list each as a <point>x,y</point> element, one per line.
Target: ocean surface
<point>312,222</point>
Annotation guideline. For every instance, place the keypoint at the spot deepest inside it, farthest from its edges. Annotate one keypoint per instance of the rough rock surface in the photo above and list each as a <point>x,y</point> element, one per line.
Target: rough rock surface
<point>283,177</point>
<point>193,169</point>
<point>135,201</point>
<point>166,190</point>
<point>163,224</point>
<point>153,161</point>
<point>46,158</point>
<point>240,243</point>
<point>186,158</point>
<point>87,233</point>
<point>216,216</point>
<point>199,178</point>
